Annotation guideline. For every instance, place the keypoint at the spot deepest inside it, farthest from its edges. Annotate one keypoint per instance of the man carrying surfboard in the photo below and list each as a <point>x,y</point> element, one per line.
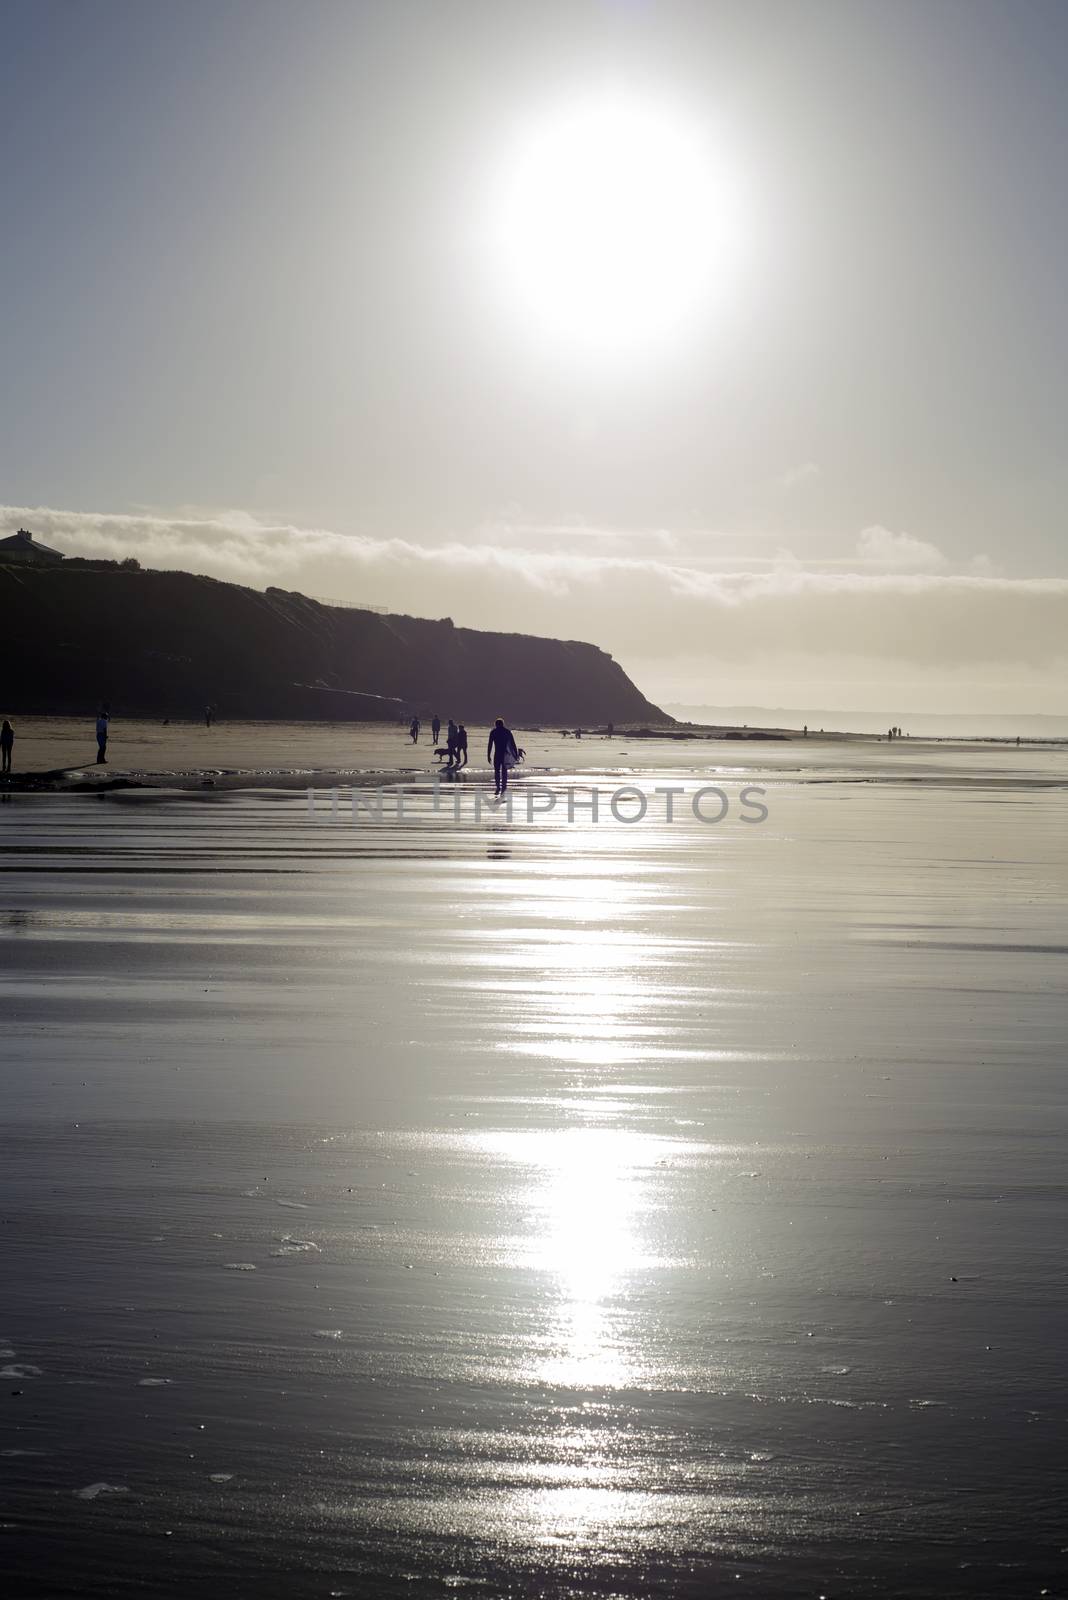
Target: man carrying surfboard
<point>503,751</point>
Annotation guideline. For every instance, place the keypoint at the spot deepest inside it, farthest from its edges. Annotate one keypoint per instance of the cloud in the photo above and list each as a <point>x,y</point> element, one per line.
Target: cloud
<point>804,472</point>
<point>878,547</point>
<point>511,526</point>
<point>647,610</point>
<point>983,567</point>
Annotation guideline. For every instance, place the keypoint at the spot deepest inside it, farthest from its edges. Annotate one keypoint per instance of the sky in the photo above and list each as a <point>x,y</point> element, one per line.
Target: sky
<point>759,384</point>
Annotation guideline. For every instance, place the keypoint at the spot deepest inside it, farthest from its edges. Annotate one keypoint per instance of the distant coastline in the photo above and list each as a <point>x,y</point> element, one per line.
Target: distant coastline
<point>921,724</point>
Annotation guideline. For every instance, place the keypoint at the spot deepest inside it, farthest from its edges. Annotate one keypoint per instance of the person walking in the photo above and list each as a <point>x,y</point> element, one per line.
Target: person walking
<point>503,751</point>
<point>103,722</point>
<point>450,741</point>
<point>7,744</point>
<point>413,729</point>
<point>461,746</point>
<point>435,726</point>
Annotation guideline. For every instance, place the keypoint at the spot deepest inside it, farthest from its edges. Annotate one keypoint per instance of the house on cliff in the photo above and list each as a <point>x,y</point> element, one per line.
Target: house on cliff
<point>22,549</point>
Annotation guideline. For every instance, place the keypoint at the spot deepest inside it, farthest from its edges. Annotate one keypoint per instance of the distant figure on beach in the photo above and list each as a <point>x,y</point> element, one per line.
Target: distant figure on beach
<point>804,731</point>
<point>207,716</point>
<point>450,742</point>
<point>102,722</point>
<point>7,744</point>
<point>435,727</point>
<point>461,746</point>
<point>611,730</point>
<point>503,751</point>
<point>413,729</point>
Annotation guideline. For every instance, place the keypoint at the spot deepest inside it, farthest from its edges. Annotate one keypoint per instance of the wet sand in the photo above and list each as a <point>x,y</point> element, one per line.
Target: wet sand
<point>540,1208</point>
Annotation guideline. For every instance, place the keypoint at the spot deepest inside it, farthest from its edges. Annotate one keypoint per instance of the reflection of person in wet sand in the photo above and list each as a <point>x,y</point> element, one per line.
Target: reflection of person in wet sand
<point>503,751</point>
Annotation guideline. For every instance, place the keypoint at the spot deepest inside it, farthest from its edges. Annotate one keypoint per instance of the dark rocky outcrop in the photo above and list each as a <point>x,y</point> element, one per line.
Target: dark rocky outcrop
<point>167,643</point>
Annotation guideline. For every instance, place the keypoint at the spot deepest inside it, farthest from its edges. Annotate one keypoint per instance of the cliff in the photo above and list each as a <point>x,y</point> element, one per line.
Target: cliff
<point>166,643</point>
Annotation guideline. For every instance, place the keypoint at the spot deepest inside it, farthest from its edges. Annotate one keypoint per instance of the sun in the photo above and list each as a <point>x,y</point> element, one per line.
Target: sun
<point>614,222</point>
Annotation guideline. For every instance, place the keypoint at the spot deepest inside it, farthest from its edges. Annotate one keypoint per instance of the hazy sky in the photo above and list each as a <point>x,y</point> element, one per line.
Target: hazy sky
<point>257,320</point>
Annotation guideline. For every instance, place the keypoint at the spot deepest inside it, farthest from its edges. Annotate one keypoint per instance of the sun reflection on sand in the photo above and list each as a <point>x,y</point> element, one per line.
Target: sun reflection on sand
<point>588,1201</point>
<point>591,1188</point>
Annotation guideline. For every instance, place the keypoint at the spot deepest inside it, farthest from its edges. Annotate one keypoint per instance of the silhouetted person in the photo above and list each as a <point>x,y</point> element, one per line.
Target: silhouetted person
<point>611,729</point>
<point>7,744</point>
<point>500,747</point>
<point>207,716</point>
<point>461,746</point>
<point>102,723</point>
<point>435,727</point>
<point>450,742</point>
<point>413,729</point>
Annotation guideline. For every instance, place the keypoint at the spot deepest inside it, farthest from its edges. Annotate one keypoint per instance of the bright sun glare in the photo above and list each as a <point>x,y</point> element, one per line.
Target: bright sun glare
<point>615,224</point>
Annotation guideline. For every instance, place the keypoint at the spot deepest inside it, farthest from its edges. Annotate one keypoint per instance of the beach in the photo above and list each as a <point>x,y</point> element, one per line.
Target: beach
<point>538,1207</point>
<point>60,753</point>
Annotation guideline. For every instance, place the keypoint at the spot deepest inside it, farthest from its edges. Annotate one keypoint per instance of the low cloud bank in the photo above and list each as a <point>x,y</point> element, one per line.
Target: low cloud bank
<point>641,609</point>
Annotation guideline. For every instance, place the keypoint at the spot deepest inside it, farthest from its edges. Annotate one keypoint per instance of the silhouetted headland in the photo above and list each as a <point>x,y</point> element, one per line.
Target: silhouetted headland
<point>163,643</point>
